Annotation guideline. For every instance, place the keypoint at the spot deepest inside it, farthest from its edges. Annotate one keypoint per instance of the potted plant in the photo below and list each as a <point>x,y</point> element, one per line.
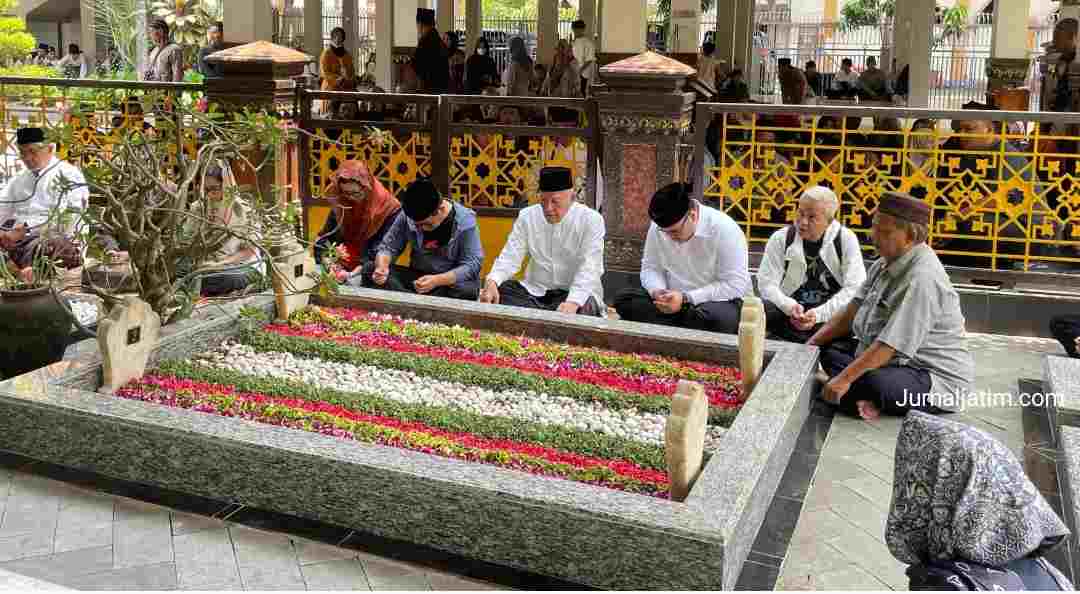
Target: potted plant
<point>35,325</point>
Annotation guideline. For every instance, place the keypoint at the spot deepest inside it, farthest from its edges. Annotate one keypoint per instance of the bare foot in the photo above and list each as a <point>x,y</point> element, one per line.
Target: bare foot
<point>867,411</point>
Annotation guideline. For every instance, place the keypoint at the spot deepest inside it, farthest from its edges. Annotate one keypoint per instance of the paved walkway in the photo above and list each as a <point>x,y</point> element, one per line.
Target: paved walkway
<point>77,538</point>
<point>838,543</point>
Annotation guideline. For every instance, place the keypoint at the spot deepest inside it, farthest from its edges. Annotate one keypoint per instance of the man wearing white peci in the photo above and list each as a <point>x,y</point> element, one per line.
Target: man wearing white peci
<point>565,244</point>
<point>811,269</point>
<point>695,269</point>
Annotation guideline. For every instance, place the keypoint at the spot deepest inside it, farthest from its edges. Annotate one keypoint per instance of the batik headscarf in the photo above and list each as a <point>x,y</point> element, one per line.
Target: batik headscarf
<point>360,221</point>
<point>958,494</point>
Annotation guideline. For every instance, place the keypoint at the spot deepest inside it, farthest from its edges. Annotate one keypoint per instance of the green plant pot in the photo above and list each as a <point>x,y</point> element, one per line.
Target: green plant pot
<point>34,330</point>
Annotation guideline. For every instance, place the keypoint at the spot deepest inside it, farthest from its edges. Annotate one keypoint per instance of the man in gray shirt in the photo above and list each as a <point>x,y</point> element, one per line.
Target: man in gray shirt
<point>912,352</point>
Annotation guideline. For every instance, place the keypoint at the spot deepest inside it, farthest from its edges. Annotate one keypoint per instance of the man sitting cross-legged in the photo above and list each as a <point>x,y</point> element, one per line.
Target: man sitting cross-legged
<point>912,351</point>
<point>446,250</point>
<point>695,270</point>
<point>810,270</point>
<point>38,207</point>
<point>565,244</point>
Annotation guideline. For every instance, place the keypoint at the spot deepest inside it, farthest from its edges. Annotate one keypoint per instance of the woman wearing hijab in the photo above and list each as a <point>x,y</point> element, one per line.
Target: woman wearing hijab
<point>519,71</point>
<point>964,515</point>
<point>457,64</point>
<point>480,69</point>
<point>363,210</point>
<point>336,63</point>
<point>564,78</point>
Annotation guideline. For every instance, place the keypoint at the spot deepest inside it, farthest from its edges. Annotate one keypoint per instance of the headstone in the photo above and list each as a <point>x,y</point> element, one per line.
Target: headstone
<point>684,437</point>
<point>126,338</point>
<point>293,281</point>
<point>751,342</point>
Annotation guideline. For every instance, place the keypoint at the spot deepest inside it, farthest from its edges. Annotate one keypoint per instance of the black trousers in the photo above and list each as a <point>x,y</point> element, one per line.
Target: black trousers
<point>514,293</point>
<point>636,305</point>
<point>891,389</point>
<point>1065,329</point>
<point>401,279</point>
<point>776,322</point>
<point>223,283</point>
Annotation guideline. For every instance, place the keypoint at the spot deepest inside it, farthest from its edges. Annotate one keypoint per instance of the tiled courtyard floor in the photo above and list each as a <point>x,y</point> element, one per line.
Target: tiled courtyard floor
<point>72,536</point>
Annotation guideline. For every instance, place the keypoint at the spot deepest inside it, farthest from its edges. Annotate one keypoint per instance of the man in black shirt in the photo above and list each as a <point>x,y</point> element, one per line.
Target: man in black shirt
<point>215,43</point>
<point>431,62</point>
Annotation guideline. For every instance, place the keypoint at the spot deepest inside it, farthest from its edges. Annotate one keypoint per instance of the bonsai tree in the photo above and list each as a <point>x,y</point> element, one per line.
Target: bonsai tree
<point>148,194</point>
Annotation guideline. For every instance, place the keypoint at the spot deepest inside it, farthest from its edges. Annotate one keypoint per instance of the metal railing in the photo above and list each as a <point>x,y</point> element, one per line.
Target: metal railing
<point>102,113</point>
<point>958,65</point>
<point>1003,193</point>
<point>482,165</point>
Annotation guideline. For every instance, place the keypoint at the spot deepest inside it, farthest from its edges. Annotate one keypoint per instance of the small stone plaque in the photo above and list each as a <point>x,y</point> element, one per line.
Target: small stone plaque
<point>684,437</point>
<point>293,282</point>
<point>125,339</point>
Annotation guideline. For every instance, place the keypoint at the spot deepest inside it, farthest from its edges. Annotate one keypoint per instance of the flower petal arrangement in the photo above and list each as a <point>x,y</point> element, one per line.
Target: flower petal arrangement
<point>576,413</point>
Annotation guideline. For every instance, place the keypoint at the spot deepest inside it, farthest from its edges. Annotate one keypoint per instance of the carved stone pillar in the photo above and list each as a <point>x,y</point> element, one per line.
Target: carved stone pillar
<point>643,113</point>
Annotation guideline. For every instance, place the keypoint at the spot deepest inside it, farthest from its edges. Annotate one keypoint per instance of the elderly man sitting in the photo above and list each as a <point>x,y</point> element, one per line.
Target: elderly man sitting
<point>912,345</point>
<point>565,244</point>
<point>811,269</point>
<point>446,253</point>
<point>695,270</point>
<point>34,204</point>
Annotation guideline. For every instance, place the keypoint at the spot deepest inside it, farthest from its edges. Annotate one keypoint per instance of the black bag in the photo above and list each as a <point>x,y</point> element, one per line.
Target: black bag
<point>968,576</point>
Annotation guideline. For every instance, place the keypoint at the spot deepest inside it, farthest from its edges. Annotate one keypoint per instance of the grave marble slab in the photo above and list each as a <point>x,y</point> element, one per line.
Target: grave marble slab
<point>537,524</point>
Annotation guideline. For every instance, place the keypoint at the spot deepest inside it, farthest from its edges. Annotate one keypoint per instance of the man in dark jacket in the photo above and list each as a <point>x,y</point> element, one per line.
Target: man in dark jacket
<point>215,37</point>
<point>431,60</point>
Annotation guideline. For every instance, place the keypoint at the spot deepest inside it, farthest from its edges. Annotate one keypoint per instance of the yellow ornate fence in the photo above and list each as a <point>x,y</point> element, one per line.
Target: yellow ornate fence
<point>103,114</point>
<point>478,163</point>
<point>1004,188</point>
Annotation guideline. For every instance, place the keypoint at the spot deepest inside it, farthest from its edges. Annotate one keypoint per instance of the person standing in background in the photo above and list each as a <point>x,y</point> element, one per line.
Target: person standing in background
<point>480,69</point>
<point>165,62</point>
<point>215,42</point>
<point>585,54</point>
<point>431,62</point>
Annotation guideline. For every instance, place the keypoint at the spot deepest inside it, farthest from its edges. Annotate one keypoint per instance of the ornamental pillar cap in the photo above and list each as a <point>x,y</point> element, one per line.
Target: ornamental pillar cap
<point>256,73</point>
<point>646,72</point>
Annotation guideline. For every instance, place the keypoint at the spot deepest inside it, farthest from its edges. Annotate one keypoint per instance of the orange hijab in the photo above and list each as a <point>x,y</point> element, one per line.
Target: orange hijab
<point>361,220</point>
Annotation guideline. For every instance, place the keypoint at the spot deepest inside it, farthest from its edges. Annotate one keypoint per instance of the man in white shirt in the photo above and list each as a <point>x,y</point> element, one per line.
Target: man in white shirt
<point>585,54</point>
<point>74,64</point>
<point>565,244</point>
<point>35,206</point>
<point>846,82</point>
<point>695,270</point>
<point>810,270</point>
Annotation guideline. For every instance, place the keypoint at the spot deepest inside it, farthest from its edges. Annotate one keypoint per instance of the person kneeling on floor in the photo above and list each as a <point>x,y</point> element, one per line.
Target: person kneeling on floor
<point>695,269</point>
<point>965,516</point>
<point>912,347</point>
<point>811,269</point>
<point>565,244</point>
<point>446,250</point>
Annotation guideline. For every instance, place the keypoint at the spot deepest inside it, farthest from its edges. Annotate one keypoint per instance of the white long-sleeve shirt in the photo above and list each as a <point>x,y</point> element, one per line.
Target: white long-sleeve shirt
<point>713,265</point>
<point>79,60</point>
<point>566,256</point>
<point>849,271</point>
<point>31,197</point>
<point>585,53</point>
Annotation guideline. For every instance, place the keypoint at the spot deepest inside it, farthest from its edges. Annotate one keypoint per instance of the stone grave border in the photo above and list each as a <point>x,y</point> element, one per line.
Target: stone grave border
<point>575,532</point>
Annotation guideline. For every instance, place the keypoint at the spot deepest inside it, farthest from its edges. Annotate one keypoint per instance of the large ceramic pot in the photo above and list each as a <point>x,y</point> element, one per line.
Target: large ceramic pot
<point>34,330</point>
